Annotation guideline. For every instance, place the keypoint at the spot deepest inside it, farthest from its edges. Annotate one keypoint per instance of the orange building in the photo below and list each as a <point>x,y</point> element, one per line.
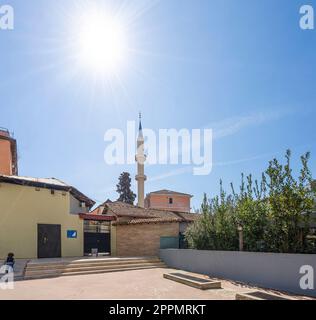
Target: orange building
<point>8,154</point>
<point>169,200</point>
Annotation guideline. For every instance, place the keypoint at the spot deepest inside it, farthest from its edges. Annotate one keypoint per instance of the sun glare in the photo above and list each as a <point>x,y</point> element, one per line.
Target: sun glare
<point>102,43</point>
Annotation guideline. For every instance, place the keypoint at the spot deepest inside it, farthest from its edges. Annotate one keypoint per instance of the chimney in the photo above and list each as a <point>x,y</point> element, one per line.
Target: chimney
<point>8,154</point>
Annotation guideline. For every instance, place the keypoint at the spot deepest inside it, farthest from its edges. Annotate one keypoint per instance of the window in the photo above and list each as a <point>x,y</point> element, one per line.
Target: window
<point>170,201</point>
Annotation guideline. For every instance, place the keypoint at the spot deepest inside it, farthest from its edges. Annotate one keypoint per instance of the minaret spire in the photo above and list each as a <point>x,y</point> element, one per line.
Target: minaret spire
<point>140,122</point>
<point>140,128</point>
<point>140,159</point>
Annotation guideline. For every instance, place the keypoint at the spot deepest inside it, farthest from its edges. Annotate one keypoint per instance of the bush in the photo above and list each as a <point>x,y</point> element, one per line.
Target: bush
<point>274,213</point>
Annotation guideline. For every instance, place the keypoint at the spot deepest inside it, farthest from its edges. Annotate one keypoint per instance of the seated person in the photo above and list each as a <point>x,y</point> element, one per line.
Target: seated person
<point>10,260</point>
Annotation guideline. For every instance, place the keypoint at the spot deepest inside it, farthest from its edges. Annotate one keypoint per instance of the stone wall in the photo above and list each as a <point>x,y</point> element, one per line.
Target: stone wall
<point>143,239</point>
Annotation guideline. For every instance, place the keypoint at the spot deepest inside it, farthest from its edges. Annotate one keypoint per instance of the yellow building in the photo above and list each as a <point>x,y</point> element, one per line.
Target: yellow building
<point>40,218</point>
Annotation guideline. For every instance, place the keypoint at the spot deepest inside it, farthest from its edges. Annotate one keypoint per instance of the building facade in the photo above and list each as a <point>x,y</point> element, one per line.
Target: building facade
<point>40,218</point>
<point>8,154</point>
<point>137,231</point>
<point>143,239</point>
<point>169,200</point>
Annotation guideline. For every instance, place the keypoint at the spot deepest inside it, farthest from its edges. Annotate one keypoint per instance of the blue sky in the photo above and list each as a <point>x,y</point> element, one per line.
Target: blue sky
<point>243,68</point>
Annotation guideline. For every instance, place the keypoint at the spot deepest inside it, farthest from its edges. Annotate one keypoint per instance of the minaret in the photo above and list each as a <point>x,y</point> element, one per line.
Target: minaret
<point>140,159</point>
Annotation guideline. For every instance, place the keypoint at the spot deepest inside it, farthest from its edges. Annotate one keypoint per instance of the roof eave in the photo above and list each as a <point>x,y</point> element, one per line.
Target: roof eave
<point>37,184</point>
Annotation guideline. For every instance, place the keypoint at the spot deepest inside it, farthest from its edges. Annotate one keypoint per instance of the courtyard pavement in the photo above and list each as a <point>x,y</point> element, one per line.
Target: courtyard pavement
<point>137,284</point>
<point>19,267</point>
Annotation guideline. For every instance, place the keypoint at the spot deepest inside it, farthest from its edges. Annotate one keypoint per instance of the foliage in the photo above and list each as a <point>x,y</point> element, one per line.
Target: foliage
<point>124,189</point>
<point>274,213</point>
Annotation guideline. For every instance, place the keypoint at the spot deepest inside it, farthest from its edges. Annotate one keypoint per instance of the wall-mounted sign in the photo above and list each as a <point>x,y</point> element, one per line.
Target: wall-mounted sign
<point>72,234</point>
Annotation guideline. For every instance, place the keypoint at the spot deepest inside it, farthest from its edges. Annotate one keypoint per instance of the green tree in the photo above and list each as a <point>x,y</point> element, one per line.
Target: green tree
<point>223,212</point>
<point>313,188</point>
<point>199,235</point>
<point>291,203</point>
<point>251,213</point>
<point>123,188</point>
<point>275,213</point>
<point>215,230</point>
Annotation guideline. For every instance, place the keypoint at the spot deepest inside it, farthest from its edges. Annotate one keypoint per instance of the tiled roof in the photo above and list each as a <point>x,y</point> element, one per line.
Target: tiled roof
<point>188,216</point>
<point>138,215</point>
<point>47,183</point>
<point>147,221</point>
<point>169,193</point>
<point>96,217</point>
<point>121,209</point>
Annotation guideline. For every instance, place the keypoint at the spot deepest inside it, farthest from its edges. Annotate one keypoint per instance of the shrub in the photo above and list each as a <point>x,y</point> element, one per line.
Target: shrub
<point>274,213</point>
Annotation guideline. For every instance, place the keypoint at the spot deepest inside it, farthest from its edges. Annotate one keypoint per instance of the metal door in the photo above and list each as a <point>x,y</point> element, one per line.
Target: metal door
<point>48,241</point>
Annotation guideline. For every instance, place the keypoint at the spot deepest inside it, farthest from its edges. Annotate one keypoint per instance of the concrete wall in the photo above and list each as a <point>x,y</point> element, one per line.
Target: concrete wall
<point>75,206</point>
<point>268,270</point>
<point>22,208</point>
<point>143,239</point>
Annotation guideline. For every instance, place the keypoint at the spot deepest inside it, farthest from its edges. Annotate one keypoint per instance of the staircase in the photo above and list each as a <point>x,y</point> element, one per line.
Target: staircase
<point>57,268</point>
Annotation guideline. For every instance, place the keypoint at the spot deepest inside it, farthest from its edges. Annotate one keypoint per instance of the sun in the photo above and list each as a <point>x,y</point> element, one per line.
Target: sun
<point>102,43</point>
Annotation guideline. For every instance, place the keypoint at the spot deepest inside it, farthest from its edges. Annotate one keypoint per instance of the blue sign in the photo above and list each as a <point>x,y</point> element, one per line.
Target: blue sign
<point>72,234</point>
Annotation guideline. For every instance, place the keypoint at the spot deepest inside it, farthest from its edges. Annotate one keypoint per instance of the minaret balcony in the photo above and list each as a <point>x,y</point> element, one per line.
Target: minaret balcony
<point>141,177</point>
<point>140,158</point>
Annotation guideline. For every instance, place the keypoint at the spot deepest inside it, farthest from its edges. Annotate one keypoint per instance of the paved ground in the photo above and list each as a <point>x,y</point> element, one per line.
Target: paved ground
<point>18,268</point>
<point>138,284</point>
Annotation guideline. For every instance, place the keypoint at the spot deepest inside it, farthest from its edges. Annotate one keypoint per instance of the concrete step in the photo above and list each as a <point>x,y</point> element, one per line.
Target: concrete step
<point>91,268</point>
<point>193,281</point>
<point>101,271</point>
<point>55,268</point>
<point>39,262</point>
<point>257,295</point>
<point>89,263</point>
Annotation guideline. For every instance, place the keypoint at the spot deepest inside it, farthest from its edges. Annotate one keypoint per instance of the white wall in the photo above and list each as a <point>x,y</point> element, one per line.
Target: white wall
<point>268,270</point>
